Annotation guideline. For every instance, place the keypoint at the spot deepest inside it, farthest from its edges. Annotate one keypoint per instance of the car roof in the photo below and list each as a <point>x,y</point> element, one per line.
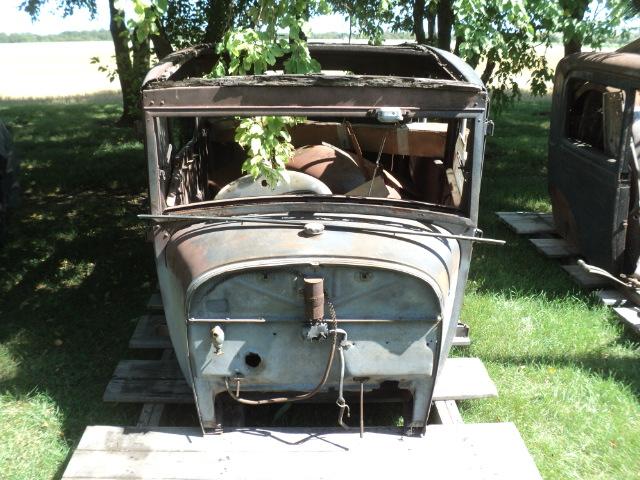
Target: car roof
<point>405,61</point>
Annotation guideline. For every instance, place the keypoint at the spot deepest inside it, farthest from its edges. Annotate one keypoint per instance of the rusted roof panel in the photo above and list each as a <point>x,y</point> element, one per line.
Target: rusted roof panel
<point>363,61</point>
<point>614,63</point>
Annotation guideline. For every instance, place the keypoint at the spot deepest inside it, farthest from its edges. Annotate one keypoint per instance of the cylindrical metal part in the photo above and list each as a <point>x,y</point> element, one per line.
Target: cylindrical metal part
<point>314,299</point>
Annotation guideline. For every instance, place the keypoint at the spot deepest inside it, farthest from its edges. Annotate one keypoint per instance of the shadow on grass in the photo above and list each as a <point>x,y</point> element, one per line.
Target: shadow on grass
<point>622,369</point>
<point>75,268</point>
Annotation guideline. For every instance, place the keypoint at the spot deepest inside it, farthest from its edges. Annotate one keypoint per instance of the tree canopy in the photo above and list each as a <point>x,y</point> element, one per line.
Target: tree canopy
<point>501,38</point>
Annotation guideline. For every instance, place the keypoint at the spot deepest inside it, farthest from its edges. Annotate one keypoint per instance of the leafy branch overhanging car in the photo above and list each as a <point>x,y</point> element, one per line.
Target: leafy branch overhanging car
<point>346,280</point>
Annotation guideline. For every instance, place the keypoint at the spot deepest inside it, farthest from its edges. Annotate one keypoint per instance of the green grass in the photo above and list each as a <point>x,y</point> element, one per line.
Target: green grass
<point>76,270</point>
<point>566,370</point>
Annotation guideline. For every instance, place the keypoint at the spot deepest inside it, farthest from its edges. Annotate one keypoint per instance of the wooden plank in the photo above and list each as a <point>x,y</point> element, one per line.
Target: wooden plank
<point>156,381</point>
<point>464,379</point>
<point>151,332</point>
<point>553,247</point>
<point>416,139</point>
<point>630,316</point>
<point>155,303</point>
<point>151,413</point>
<point>133,390</point>
<point>611,297</point>
<point>461,338</point>
<point>447,412</point>
<point>461,341</point>
<point>528,223</point>
<point>585,279</point>
<point>469,451</point>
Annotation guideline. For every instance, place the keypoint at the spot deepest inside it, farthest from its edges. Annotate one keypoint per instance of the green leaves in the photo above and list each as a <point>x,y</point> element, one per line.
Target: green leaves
<point>268,146</point>
<point>276,32</point>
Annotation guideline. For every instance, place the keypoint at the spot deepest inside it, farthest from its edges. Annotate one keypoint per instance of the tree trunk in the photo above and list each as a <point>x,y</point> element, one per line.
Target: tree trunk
<point>141,57</point>
<point>431,28</point>
<point>218,20</point>
<point>161,43</point>
<point>120,36</point>
<point>488,71</point>
<point>418,21</point>
<point>574,9</point>
<point>572,46</point>
<point>459,40</point>
<point>445,24</point>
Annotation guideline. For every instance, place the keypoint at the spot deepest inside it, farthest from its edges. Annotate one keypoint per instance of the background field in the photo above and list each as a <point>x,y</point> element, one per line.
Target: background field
<point>53,69</point>
<point>76,271</point>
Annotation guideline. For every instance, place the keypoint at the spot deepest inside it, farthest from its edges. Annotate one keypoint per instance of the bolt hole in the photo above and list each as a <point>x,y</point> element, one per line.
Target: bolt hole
<point>274,334</point>
<point>264,183</point>
<point>252,359</point>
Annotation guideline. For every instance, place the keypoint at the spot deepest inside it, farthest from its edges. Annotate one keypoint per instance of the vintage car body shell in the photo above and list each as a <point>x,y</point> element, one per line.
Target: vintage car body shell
<point>396,290</point>
<point>591,196</point>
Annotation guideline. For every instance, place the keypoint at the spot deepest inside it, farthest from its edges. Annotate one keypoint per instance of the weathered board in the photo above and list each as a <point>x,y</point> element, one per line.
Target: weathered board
<point>553,247</point>
<point>611,297</point>
<point>528,223</point>
<point>630,315</point>
<point>447,412</point>
<point>155,302</point>
<point>585,279</point>
<point>467,451</point>
<point>158,381</point>
<point>151,332</point>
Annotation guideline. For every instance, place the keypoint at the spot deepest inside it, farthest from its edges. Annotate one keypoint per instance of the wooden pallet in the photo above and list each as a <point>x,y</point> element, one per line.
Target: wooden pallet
<point>449,448</point>
<point>528,223</point>
<point>161,381</point>
<point>472,452</point>
<point>544,238</point>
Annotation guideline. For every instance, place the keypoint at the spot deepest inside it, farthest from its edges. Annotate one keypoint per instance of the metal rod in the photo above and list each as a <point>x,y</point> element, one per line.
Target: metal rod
<point>361,408</point>
<point>341,320</point>
<point>300,223</point>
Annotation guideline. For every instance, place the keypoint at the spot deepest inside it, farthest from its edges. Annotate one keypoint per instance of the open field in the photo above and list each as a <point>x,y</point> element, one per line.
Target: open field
<point>54,69</point>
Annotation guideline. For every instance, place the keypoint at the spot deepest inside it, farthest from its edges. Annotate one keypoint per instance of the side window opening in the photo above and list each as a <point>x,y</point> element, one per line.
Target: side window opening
<point>425,160</point>
<point>594,116</point>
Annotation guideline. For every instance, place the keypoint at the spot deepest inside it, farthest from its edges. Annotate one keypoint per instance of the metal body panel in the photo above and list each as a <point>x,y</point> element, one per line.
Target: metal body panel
<point>591,191</point>
<point>231,288</point>
<point>399,314</point>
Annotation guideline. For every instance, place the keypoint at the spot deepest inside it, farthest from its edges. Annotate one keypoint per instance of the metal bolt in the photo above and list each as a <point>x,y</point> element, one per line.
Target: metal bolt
<point>313,228</point>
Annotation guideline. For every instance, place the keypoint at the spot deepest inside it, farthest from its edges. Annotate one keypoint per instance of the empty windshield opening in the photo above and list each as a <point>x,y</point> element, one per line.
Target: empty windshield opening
<point>203,159</point>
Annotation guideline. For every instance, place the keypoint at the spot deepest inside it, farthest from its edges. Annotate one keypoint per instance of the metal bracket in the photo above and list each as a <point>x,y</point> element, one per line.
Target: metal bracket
<point>489,127</point>
<point>316,332</point>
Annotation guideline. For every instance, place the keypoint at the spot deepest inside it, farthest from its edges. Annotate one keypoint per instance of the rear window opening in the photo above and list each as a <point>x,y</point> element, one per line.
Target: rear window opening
<point>425,160</point>
<point>594,116</point>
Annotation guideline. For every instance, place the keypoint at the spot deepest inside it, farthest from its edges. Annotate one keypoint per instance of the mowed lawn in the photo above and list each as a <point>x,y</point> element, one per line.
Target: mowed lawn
<point>76,271</point>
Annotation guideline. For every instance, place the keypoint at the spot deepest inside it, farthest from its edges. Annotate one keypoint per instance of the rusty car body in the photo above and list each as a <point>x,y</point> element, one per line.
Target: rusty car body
<point>349,282</point>
<point>593,159</point>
